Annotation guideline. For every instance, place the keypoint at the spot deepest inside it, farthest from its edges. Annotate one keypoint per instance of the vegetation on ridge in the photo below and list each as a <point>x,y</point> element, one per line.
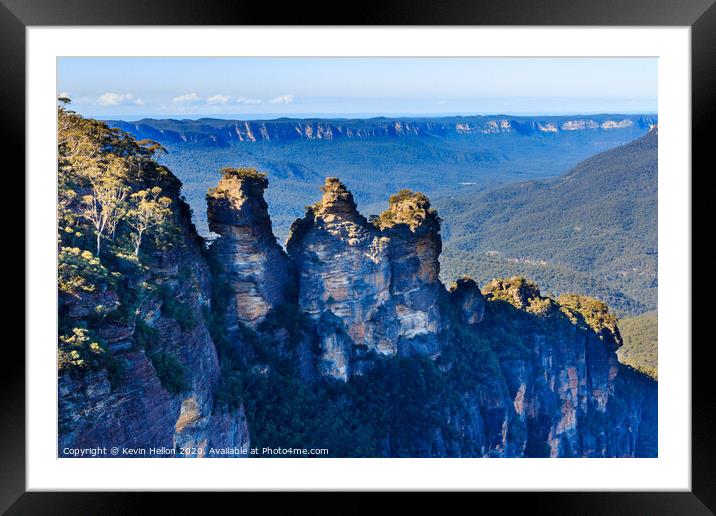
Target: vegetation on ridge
<point>245,173</point>
<point>116,210</point>
<point>405,207</point>
<point>596,313</point>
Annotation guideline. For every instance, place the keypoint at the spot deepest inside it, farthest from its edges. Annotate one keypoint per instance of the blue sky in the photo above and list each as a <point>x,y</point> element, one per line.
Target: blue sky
<point>133,87</point>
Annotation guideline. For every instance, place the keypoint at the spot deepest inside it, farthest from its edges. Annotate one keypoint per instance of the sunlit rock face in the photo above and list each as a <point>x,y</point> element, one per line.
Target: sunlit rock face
<point>372,286</point>
<point>413,230</point>
<point>246,251</point>
<point>344,281</point>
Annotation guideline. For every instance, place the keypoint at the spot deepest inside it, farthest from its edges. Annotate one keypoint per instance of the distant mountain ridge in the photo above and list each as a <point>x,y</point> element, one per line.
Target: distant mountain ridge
<point>219,132</point>
<point>541,228</point>
<point>437,156</point>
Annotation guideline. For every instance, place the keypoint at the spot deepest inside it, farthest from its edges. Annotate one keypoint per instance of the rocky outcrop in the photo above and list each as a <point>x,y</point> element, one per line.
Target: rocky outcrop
<point>344,281</point>
<point>156,395</point>
<point>412,227</point>
<point>565,398</point>
<point>247,253</point>
<point>371,286</point>
<point>465,295</point>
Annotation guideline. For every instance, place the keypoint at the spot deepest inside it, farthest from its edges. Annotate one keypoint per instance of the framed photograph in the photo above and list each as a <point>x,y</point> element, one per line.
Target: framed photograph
<point>431,248</point>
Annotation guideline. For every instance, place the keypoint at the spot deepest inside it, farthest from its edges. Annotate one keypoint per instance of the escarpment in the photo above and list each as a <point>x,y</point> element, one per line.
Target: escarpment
<point>223,132</point>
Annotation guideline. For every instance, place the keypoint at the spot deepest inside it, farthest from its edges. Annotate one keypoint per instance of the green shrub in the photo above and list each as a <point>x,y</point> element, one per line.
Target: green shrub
<point>229,394</point>
<point>79,271</point>
<point>173,308</point>
<point>245,173</point>
<point>171,372</point>
<point>78,349</point>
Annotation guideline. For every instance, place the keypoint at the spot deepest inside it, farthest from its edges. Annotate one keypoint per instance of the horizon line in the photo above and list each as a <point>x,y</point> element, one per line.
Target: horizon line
<point>349,116</point>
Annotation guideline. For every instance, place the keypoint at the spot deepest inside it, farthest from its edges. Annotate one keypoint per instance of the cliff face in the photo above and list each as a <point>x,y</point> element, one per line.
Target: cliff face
<point>565,394</point>
<point>159,390</point>
<point>222,132</point>
<point>253,263</point>
<point>413,230</point>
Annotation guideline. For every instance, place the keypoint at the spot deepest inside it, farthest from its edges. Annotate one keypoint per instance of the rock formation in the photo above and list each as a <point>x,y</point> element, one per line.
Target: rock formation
<point>370,286</point>
<point>413,230</point>
<point>566,383</point>
<point>469,301</point>
<point>344,281</point>
<point>254,264</point>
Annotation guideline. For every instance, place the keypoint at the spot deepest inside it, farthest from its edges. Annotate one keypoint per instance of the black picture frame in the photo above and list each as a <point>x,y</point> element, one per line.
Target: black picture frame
<point>700,15</point>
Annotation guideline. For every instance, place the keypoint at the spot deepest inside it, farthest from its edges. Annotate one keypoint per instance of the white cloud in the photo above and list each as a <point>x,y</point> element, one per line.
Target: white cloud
<point>118,99</point>
<point>187,99</point>
<point>282,99</point>
<point>65,94</point>
<point>221,99</point>
<point>218,99</point>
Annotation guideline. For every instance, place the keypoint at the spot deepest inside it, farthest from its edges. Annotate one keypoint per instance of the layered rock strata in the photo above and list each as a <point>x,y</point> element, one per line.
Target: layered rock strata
<point>247,253</point>
<point>412,227</point>
<point>344,281</point>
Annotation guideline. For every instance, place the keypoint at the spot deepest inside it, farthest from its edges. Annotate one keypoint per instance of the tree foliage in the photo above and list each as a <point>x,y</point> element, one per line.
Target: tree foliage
<point>111,194</point>
<point>147,211</point>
